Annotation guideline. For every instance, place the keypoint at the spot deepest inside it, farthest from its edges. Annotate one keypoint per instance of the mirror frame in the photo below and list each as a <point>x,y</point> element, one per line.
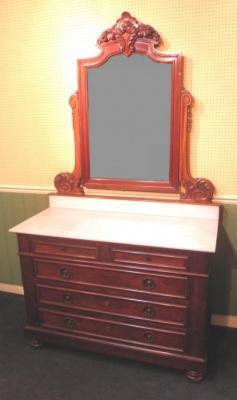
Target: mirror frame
<point>126,37</point>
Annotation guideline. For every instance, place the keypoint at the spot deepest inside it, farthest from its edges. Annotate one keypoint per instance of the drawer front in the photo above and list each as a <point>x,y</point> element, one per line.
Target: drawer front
<point>159,312</point>
<point>174,341</point>
<point>66,250</point>
<point>150,258</point>
<point>151,283</point>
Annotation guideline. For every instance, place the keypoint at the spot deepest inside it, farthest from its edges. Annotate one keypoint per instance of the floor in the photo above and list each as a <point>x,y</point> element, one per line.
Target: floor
<point>55,373</point>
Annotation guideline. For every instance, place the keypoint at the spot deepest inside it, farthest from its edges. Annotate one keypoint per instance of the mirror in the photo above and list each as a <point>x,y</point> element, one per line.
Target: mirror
<point>129,119</point>
<point>132,118</point>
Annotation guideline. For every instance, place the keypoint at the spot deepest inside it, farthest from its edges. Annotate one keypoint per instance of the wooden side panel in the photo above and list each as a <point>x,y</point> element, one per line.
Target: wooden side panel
<point>28,279</point>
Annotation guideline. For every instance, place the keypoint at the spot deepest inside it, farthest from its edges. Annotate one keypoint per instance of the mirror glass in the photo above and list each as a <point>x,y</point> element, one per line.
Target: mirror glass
<point>129,119</point>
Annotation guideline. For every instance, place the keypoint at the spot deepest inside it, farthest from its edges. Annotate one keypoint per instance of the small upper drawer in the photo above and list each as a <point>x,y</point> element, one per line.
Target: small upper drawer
<point>152,258</point>
<point>60,248</point>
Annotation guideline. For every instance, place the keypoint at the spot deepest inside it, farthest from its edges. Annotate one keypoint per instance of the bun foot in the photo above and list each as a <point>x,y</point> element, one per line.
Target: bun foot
<point>195,376</point>
<point>36,344</point>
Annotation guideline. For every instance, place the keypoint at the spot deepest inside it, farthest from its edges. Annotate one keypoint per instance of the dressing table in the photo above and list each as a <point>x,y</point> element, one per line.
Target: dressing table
<point>120,274</point>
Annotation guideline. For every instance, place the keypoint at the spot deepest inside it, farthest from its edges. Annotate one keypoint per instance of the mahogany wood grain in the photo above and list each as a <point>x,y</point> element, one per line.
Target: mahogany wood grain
<point>172,314</point>
<point>114,254</point>
<point>126,304</point>
<point>59,248</point>
<point>168,340</point>
<point>172,359</point>
<point>149,258</point>
<point>165,285</point>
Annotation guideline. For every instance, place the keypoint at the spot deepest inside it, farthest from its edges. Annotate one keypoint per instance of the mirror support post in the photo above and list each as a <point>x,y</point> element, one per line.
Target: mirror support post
<point>66,182</point>
<point>199,189</point>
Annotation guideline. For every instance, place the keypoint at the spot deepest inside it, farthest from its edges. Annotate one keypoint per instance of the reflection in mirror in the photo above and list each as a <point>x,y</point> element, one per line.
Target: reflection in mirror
<point>129,119</point>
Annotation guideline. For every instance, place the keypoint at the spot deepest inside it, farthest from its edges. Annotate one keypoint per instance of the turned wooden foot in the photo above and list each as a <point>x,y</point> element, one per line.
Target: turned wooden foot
<point>195,376</point>
<point>36,344</point>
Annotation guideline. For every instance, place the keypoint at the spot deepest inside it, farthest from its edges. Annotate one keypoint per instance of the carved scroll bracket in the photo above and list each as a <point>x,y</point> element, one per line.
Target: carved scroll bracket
<point>199,189</point>
<point>65,182</point>
<point>127,31</point>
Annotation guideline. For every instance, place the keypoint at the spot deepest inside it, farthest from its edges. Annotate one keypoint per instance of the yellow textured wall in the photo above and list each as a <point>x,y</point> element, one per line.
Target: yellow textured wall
<point>40,41</point>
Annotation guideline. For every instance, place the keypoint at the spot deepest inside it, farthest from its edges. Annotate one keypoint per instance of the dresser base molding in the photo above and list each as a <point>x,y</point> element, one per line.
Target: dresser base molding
<point>192,365</point>
<point>36,344</point>
<point>195,376</point>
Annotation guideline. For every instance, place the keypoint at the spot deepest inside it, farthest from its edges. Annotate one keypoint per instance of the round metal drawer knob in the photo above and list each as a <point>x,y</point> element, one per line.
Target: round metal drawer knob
<point>67,298</point>
<point>149,311</point>
<point>69,323</point>
<point>149,337</point>
<point>64,272</point>
<point>148,258</point>
<point>148,283</point>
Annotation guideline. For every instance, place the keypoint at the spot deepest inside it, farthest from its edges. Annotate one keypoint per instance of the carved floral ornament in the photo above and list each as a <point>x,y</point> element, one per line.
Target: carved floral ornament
<point>127,31</point>
<point>199,189</point>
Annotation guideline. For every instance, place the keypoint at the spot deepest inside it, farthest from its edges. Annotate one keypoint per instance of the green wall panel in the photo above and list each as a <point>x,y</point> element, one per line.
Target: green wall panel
<point>15,207</point>
<point>223,283</point>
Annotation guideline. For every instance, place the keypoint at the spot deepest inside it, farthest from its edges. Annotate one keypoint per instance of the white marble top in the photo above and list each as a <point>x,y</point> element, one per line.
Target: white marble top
<point>147,223</point>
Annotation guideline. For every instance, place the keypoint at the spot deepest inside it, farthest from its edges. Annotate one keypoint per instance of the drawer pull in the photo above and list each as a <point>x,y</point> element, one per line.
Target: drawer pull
<point>107,328</point>
<point>69,323</point>
<point>64,272</point>
<point>148,258</point>
<point>149,337</point>
<point>67,298</point>
<point>149,311</point>
<point>148,283</point>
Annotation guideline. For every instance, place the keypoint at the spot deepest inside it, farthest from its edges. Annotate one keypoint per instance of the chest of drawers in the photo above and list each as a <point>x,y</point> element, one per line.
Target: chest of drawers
<point>147,303</point>
<point>139,302</point>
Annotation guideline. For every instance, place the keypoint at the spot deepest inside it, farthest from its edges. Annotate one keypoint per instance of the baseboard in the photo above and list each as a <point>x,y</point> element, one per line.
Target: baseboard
<point>5,287</point>
<point>225,199</point>
<point>229,321</point>
<point>27,189</point>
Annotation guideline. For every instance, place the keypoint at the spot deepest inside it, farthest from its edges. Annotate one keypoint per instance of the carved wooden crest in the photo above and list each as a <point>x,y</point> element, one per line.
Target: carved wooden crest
<point>127,31</point>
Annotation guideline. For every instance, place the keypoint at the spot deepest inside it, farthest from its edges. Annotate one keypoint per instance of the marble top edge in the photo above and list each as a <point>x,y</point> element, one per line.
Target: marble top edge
<point>194,234</point>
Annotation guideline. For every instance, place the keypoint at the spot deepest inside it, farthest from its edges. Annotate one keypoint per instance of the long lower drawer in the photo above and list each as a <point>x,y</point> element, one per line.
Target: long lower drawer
<point>150,282</point>
<point>161,312</point>
<point>153,338</point>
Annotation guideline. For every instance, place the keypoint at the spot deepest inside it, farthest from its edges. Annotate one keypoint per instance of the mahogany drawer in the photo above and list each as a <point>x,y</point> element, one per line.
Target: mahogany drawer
<point>166,285</point>
<point>151,258</point>
<point>79,250</point>
<point>159,312</point>
<point>155,338</point>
